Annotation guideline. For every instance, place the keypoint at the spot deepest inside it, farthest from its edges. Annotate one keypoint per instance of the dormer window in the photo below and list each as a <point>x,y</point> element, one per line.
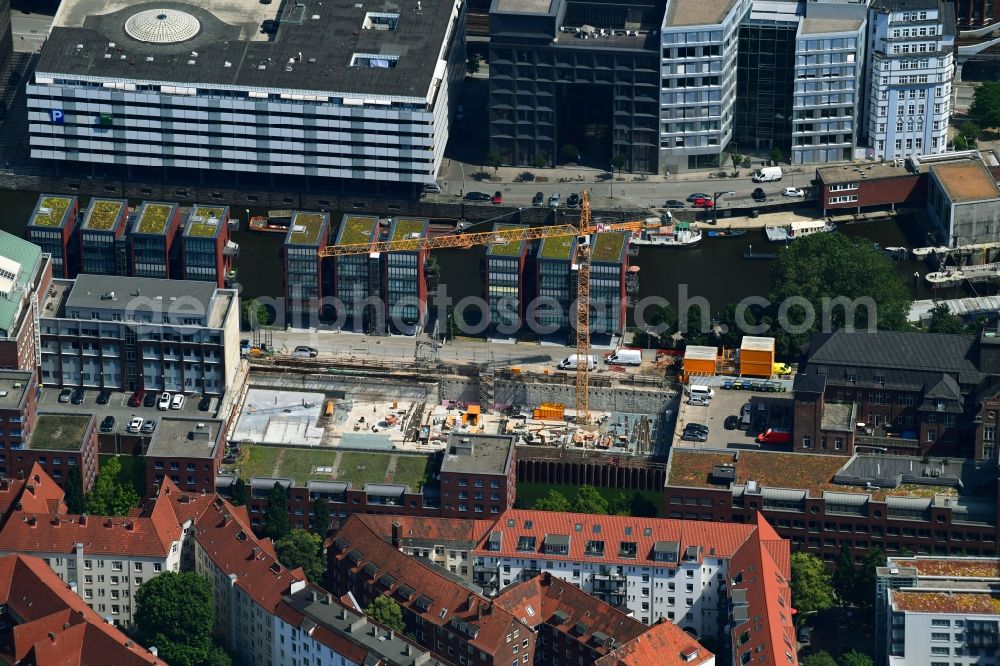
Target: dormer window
<point>628,549</point>
<point>594,549</point>
<point>526,543</point>
<point>556,544</point>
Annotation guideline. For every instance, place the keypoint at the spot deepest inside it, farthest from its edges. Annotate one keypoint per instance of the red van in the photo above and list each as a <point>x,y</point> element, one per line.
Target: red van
<point>774,436</point>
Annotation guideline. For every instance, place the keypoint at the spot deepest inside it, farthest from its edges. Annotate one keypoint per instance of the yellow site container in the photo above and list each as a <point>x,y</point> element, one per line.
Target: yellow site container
<point>550,411</point>
<point>756,356</point>
<point>700,360</point>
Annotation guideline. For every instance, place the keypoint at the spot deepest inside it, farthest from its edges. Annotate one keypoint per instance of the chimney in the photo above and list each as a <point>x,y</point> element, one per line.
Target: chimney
<point>83,519</point>
<point>108,523</point>
<point>153,650</point>
<point>396,529</point>
<point>52,636</point>
<point>32,520</point>
<point>129,525</point>
<point>55,521</point>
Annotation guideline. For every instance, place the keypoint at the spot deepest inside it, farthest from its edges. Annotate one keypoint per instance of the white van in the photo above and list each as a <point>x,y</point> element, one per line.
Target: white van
<point>701,391</point>
<point>767,175</point>
<point>570,363</point>
<point>625,357</point>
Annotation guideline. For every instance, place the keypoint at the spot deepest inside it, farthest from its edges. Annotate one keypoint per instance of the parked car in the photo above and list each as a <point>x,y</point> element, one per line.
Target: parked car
<point>698,195</point>
<point>702,203</point>
<point>135,424</point>
<point>432,188</point>
<point>148,427</point>
<point>65,395</point>
<point>573,200</point>
<point>694,436</point>
<point>477,196</point>
<point>698,401</point>
<point>792,192</point>
<point>732,422</point>
<point>758,194</point>
<point>554,200</point>
<point>782,369</point>
<point>538,200</point>
<point>104,397</point>
<point>178,401</point>
<point>302,351</point>
<point>205,403</point>
<point>108,424</point>
<point>164,403</point>
<point>674,203</point>
<point>699,427</point>
<point>497,197</point>
<point>150,400</point>
<point>135,399</point>
<point>805,634</point>
<point>78,396</point>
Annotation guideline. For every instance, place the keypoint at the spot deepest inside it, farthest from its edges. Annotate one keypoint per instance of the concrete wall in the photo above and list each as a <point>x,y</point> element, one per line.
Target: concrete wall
<point>511,391</point>
<point>976,222</point>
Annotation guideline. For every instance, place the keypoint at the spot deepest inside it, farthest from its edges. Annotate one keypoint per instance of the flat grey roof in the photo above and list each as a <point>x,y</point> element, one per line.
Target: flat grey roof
<point>13,385</point>
<point>524,6</point>
<point>311,50</point>
<point>87,292</point>
<point>482,454</point>
<point>811,26</point>
<point>184,438</point>
<point>696,12</point>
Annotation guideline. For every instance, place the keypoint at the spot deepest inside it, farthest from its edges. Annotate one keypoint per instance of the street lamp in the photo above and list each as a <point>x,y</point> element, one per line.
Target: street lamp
<point>715,205</point>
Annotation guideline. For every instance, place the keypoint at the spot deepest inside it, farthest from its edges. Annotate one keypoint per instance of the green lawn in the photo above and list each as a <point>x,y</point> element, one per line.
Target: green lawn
<point>357,229</point>
<point>529,493</point>
<point>405,226</point>
<point>311,224</point>
<point>103,214</point>
<point>201,228</point>
<point>59,433</point>
<point>511,248</point>
<point>411,470</point>
<point>154,218</point>
<point>557,247</point>
<point>133,471</point>
<point>608,246</point>
<point>362,468</point>
<point>57,209</point>
<point>357,467</point>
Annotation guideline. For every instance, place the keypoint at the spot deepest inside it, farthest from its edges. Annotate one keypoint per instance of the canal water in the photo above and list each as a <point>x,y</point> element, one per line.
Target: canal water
<point>715,270</point>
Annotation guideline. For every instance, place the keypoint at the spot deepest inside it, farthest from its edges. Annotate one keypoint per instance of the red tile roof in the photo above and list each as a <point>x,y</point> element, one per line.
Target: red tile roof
<point>537,601</point>
<point>715,539</point>
<point>450,600</point>
<point>58,627</point>
<point>230,543</point>
<point>40,494</point>
<point>761,567</point>
<point>430,529</point>
<point>664,644</point>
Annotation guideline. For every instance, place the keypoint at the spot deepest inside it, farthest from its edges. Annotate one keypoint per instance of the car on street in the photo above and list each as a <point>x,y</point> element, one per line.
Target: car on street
<point>702,203</point>
<point>573,200</point>
<point>674,203</point>
<point>134,424</point>
<point>694,436</point>
<point>178,401</point>
<point>538,200</point>
<point>732,422</point>
<point>78,396</point>
<point>103,397</point>
<point>697,401</point>
<point>148,427</point>
<point>698,195</point>
<point>65,395</point>
<point>302,351</point>
<point>164,403</point>
<point>135,399</point>
<point>149,400</point>
<point>554,200</point>
<point>205,403</point>
<point>432,188</point>
<point>805,634</point>
<point>792,192</point>
<point>497,197</point>
<point>782,369</point>
<point>477,196</point>
<point>108,424</point>
<point>758,194</point>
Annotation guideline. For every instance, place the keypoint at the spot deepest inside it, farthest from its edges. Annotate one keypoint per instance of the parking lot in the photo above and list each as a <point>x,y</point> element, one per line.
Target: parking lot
<point>119,408</point>
<point>768,410</point>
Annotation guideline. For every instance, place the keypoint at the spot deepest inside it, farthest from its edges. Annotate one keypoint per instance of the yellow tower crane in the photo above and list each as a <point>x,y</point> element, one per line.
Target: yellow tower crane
<point>584,228</point>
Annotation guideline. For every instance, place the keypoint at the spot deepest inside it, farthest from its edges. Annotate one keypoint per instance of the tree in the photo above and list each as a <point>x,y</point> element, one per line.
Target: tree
<point>619,505</point>
<point>553,501</point>
<point>811,587</point>
<point>570,153</point>
<point>823,267</point>
<point>539,162</point>
<point>819,659</point>
<point>618,162</point>
<point>75,502</point>
<point>695,331</point>
<point>300,548</point>
<point>855,658</point>
<point>737,160</point>
<point>253,314</point>
<point>777,155</point>
<point>985,108</point>
<point>175,612</point>
<point>961,143</point>
<point>385,610</point>
<point>588,500</point>
<point>864,583</point>
<point>844,577</point>
<point>240,492</point>
<point>109,497</point>
<point>970,131</point>
<point>472,65</point>
<point>943,321</point>
<point>319,521</point>
<point>642,507</point>
<point>276,521</point>
<point>494,160</point>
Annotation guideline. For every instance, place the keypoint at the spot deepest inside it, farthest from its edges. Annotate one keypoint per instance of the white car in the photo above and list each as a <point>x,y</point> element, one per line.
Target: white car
<point>792,192</point>
<point>178,401</point>
<point>164,403</point>
<point>134,424</point>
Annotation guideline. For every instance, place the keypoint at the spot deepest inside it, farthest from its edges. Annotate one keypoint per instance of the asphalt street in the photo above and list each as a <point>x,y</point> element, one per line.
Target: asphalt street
<point>29,30</point>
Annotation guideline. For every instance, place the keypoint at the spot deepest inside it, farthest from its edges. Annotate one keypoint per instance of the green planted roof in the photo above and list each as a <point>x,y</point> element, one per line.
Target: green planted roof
<point>306,228</point>
<point>557,247</point>
<point>27,255</point>
<point>102,214</point>
<point>56,206</point>
<point>511,248</point>
<point>154,218</point>
<point>357,229</point>
<point>608,246</point>
<point>198,224</point>
<point>405,226</point>
<point>59,432</point>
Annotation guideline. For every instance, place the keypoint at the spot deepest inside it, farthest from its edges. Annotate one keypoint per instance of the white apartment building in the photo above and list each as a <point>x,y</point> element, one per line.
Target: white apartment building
<point>315,88</point>
<point>932,611</point>
<point>698,81</point>
<point>829,68</point>
<point>656,568</point>
<point>912,53</point>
